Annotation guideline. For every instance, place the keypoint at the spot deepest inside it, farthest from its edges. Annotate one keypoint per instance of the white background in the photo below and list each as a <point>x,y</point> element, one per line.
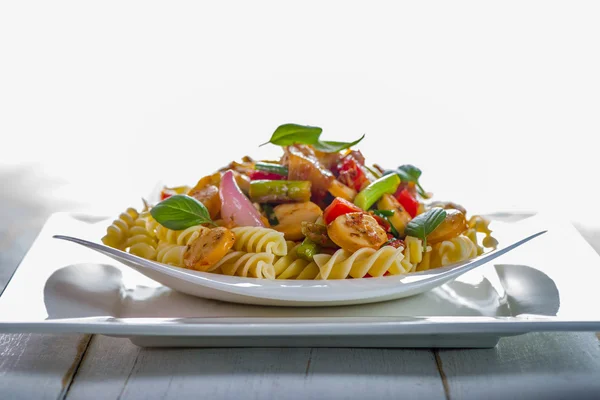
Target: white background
<point>497,102</point>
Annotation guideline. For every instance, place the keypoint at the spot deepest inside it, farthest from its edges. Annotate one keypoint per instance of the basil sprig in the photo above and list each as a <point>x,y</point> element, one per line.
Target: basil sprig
<point>289,134</point>
<point>180,212</point>
<point>409,173</point>
<point>423,224</point>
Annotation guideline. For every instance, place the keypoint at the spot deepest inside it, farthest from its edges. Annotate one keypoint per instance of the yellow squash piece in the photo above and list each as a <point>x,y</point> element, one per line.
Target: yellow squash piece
<point>208,249</point>
<point>354,231</point>
<point>291,215</point>
<point>400,218</point>
<point>453,225</point>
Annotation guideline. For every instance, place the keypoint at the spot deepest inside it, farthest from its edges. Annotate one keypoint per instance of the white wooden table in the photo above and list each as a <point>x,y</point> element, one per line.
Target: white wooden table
<point>550,366</point>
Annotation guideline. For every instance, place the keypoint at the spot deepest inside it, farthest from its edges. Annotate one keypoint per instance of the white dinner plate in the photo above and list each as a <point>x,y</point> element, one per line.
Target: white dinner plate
<point>549,283</point>
<point>305,293</point>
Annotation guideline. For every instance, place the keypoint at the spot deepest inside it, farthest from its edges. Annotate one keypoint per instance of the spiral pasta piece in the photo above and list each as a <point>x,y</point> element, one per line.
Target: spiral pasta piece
<point>171,254</point>
<point>257,240</point>
<point>376,263</point>
<point>291,266</point>
<point>240,263</point>
<point>141,242</point>
<point>413,253</point>
<point>118,232</point>
<point>181,238</point>
<point>458,249</point>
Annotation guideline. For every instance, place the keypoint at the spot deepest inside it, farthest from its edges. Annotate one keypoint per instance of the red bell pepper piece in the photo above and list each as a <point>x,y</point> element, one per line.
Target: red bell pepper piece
<point>406,200</point>
<point>260,175</point>
<point>339,207</point>
<point>350,173</point>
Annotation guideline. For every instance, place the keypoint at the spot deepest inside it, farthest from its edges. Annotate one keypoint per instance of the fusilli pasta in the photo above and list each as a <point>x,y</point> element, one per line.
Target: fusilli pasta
<point>118,232</point>
<point>413,253</point>
<point>171,254</point>
<point>181,238</point>
<point>291,266</point>
<point>255,265</point>
<point>460,248</point>
<point>376,263</point>
<point>140,241</point>
<point>256,240</point>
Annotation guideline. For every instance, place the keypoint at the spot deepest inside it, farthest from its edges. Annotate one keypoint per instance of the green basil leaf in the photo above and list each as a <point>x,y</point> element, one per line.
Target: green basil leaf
<point>423,224</point>
<point>289,134</point>
<point>333,147</point>
<point>180,212</point>
<point>410,173</point>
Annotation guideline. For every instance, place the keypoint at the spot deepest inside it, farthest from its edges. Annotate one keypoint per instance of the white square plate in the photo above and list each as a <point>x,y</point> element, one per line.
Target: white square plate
<point>549,284</point>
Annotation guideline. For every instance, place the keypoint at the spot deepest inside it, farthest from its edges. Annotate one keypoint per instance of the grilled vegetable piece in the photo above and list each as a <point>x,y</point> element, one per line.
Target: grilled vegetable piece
<point>307,250</point>
<point>338,189</point>
<point>268,191</point>
<point>400,218</point>
<point>208,249</point>
<point>209,196</point>
<point>338,207</point>
<point>369,195</point>
<point>291,216</point>
<point>453,225</point>
<point>408,201</point>
<point>317,233</point>
<point>272,168</point>
<point>213,179</point>
<point>303,165</point>
<point>355,231</point>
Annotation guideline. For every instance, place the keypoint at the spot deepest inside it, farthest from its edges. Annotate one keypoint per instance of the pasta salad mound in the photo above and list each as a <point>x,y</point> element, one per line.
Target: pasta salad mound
<point>319,212</point>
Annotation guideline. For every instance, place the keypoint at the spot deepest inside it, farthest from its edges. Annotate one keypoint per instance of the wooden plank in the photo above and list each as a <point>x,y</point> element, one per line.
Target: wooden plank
<point>31,366</point>
<point>105,369</point>
<point>277,373</point>
<point>39,366</point>
<point>541,365</point>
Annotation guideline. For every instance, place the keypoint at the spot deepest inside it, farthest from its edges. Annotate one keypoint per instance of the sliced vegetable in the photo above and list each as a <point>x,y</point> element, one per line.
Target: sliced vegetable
<point>338,189</point>
<point>307,250</point>
<point>368,196</point>
<point>235,206</point>
<point>272,168</point>
<point>317,233</point>
<point>355,231</point>
<point>263,175</point>
<point>451,226</point>
<point>338,207</point>
<point>209,196</point>
<point>399,218</point>
<point>265,191</point>
<point>291,216</point>
<point>303,165</point>
<point>180,212</point>
<point>407,201</point>
<point>424,224</point>
<point>213,179</point>
<point>351,174</point>
<point>209,249</point>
